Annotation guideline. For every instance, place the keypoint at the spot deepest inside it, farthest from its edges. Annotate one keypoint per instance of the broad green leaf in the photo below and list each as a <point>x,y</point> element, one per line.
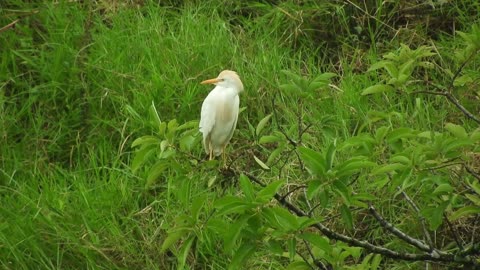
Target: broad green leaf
<point>475,186</point>
<point>141,156</point>
<point>375,89</point>
<point>269,139</point>
<point>241,255</point>
<point>388,168</point>
<point>155,172</point>
<point>232,204</point>
<point>313,160</point>
<point>377,258</point>
<point>346,216</point>
<point>259,162</point>
<point>434,215</point>
<point>184,251</point>
<point>456,130</point>
<point>146,141</point>
<point>380,133</point>
<point>172,238</point>
<point>442,189</point>
<point>312,188</point>
<point>317,240</point>
<point>262,124</point>
<point>292,247</point>
<point>267,193</point>
<point>290,88</point>
<point>247,187</point>
<point>474,198</point>
<point>470,210</point>
<point>331,154</point>
<point>339,187</point>
<point>233,233</point>
<point>400,133</point>
<point>282,218</point>
<point>186,143</point>
<point>275,153</point>
<point>324,77</point>
<point>475,135</point>
<point>378,65</point>
<point>275,246</point>
<point>400,159</point>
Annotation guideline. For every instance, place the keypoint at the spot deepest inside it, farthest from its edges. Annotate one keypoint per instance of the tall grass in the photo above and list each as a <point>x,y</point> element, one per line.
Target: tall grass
<point>76,84</point>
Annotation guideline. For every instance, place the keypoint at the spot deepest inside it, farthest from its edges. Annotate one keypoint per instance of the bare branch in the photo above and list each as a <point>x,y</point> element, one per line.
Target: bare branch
<point>397,232</point>
<point>456,237</point>
<point>435,256</point>
<point>472,172</point>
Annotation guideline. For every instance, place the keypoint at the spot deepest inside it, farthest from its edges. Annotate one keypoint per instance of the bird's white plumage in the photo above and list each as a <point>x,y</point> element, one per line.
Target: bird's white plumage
<point>219,112</point>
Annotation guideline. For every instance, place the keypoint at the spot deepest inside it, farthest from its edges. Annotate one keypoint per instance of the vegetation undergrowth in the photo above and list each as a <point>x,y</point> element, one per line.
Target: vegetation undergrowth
<point>357,145</point>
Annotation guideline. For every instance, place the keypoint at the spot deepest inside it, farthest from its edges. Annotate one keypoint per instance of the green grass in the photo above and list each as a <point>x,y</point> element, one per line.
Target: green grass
<point>77,82</point>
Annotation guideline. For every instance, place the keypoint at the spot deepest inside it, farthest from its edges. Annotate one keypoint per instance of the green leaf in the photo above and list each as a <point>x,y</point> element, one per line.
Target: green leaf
<point>331,154</point>
<point>346,216</point>
<point>400,133</point>
<point>259,162</point>
<point>317,240</point>
<point>184,251</point>
<point>242,254</point>
<point>275,153</point>
<point>434,215</point>
<point>457,130</point>
<point>470,210</point>
<point>267,193</point>
<point>281,218</point>
<point>275,247</point>
<point>388,168</point>
<point>232,204</point>
<point>313,160</point>
<point>442,189</point>
<point>378,88</point>
<point>140,157</point>
<point>473,198</point>
<point>313,188</point>
<point>475,135</point>
<point>269,139</point>
<point>292,247</point>
<point>290,88</point>
<point>262,124</point>
<point>146,141</point>
<point>247,187</point>
<point>172,238</point>
<point>339,187</point>
<point>233,233</point>
<point>155,172</point>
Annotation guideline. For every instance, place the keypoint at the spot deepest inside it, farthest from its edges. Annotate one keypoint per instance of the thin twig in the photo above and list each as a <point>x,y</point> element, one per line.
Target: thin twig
<point>317,263</point>
<point>8,26</point>
<point>472,172</point>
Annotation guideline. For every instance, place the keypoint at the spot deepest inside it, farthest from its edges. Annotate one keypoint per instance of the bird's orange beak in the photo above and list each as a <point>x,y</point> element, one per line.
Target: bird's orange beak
<point>211,81</point>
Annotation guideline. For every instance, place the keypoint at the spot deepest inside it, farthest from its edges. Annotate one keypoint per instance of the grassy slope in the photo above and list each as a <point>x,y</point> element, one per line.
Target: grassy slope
<point>75,90</point>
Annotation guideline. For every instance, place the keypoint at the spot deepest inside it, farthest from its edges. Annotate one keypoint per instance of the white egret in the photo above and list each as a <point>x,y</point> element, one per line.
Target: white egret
<point>220,112</point>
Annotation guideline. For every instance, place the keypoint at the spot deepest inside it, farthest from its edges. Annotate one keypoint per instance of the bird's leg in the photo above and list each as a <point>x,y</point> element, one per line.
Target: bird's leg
<point>210,151</point>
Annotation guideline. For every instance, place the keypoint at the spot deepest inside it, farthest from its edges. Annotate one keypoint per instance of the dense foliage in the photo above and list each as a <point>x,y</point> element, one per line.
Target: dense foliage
<point>358,142</point>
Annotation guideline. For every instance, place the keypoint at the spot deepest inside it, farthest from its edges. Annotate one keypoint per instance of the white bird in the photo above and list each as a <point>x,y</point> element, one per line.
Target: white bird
<point>220,112</point>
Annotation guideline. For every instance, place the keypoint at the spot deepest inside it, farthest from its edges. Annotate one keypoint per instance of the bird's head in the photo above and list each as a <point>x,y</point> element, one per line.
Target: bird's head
<point>227,79</point>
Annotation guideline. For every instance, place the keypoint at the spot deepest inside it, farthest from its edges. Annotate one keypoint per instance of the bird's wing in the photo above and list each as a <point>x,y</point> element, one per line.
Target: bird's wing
<point>235,110</point>
<point>207,115</point>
